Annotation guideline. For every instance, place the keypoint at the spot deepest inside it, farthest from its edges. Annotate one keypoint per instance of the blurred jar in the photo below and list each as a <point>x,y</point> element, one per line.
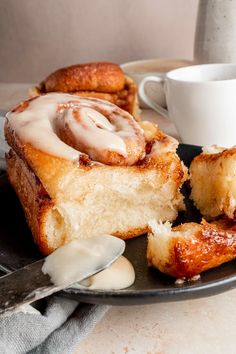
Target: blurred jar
<point>215,37</point>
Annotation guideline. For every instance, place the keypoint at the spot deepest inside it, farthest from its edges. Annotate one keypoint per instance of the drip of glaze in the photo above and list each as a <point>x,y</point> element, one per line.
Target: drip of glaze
<point>119,275</point>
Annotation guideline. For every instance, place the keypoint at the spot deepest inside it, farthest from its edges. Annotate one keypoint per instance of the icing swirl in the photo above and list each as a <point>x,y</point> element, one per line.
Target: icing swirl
<point>67,126</point>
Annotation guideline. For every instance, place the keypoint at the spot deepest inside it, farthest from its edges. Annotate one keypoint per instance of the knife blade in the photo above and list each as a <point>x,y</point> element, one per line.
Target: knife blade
<point>29,283</point>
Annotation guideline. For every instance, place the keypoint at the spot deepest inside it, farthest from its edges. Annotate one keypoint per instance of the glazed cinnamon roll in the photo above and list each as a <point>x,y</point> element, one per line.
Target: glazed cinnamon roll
<point>83,167</point>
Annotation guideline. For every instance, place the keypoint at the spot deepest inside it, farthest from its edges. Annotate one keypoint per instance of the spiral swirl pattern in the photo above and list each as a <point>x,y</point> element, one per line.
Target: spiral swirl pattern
<point>67,126</point>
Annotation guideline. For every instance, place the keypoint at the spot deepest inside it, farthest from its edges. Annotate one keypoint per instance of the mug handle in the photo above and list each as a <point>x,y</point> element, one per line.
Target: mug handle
<point>148,100</point>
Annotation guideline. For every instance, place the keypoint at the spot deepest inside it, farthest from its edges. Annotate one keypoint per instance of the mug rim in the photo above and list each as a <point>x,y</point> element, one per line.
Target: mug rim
<point>170,75</point>
<point>127,66</point>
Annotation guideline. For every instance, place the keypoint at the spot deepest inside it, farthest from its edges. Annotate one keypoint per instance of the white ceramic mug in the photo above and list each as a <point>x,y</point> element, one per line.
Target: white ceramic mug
<point>201,101</point>
<point>139,69</point>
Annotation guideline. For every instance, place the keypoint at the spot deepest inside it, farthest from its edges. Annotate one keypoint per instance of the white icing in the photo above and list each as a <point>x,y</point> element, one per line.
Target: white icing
<point>37,124</point>
<point>88,133</point>
<point>71,262</point>
<point>119,275</point>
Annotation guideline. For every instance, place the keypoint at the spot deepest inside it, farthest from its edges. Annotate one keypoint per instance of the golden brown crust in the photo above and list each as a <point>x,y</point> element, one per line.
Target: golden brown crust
<point>214,245</point>
<point>209,246</point>
<point>34,199</point>
<point>132,233</point>
<point>99,77</point>
<point>203,157</point>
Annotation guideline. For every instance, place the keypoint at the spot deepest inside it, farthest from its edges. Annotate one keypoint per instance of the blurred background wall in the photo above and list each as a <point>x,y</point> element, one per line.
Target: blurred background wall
<point>39,36</point>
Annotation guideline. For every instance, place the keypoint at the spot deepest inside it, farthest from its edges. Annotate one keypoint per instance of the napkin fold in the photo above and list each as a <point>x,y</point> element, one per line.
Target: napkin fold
<point>56,330</point>
<point>55,325</point>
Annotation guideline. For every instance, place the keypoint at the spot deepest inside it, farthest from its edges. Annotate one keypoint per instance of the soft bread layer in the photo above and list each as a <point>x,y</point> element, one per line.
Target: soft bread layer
<point>213,182</point>
<point>189,249</point>
<point>118,200</point>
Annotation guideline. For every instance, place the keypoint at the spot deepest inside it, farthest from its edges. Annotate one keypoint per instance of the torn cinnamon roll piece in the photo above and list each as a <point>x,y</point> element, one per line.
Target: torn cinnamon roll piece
<point>189,249</point>
<point>213,182</point>
<point>83,167</point>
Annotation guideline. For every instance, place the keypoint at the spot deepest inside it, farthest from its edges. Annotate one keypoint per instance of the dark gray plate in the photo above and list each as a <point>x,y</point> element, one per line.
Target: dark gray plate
<point>17,249</point>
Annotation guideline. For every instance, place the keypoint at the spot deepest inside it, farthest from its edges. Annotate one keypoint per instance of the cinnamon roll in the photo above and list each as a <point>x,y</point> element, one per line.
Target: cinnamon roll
<point>83,167</point>
<point>97,80</point>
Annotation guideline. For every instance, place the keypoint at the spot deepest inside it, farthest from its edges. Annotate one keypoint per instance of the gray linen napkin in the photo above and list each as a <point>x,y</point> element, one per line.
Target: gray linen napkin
<point>58,328</point>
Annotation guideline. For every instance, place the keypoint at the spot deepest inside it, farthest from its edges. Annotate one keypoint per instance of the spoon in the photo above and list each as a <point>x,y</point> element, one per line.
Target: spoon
<point>31,283</point>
